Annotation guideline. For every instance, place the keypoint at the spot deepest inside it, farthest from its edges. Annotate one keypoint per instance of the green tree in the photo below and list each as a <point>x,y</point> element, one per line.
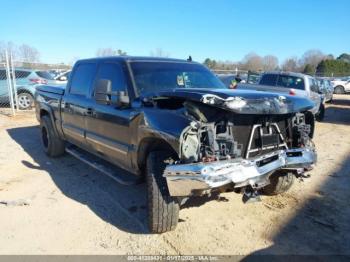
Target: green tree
<point>345,57</point>
<point>333,68</point>
<point>210,63</point>
<point>309,69</point>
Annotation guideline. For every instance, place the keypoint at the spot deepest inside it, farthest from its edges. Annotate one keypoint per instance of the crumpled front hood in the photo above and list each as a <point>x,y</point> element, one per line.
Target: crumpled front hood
<point>242,101</point>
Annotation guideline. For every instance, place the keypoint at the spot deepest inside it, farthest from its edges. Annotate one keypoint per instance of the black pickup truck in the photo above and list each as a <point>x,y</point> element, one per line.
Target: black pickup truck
<point>174,124</point>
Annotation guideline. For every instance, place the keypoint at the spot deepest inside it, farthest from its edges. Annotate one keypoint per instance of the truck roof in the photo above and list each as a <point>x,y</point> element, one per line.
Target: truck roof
<point>134,58</point>
<point>285,73</point>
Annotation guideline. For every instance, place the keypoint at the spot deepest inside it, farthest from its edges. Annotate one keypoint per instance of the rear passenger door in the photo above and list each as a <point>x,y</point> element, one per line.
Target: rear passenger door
<point>107,127</point>
<point>76,103</point>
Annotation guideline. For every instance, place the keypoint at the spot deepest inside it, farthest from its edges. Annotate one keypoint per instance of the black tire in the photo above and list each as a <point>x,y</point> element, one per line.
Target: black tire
<point>53,145</point>
<point>339,90</point>
<point>163,210</point>
<point>321,113</point>
<point>280,182</point>
<point>25,101</point>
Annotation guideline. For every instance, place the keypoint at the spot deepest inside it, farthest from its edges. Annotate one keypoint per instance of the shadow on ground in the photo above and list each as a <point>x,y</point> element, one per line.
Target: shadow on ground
<point>338,112</point>
<point>122,206</point>
<point>322,225</point>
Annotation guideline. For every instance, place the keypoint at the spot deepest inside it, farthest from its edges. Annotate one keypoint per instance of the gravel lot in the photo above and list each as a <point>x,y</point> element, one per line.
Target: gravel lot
<point>61,206</point>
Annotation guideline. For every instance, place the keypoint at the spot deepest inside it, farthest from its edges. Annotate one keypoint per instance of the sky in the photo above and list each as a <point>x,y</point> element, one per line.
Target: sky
<point>223,29</point>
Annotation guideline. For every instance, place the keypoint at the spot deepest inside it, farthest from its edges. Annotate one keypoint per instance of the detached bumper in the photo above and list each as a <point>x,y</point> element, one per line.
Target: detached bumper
<point>186,179</point>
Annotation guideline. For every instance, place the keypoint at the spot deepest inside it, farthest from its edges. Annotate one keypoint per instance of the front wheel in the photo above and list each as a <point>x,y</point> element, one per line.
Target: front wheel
<point>280,182</point>
<point>163,210</point>
<point>25,101</point>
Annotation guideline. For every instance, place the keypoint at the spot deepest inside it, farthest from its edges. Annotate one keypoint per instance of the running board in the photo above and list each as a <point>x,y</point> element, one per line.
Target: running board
<point>117,174</point>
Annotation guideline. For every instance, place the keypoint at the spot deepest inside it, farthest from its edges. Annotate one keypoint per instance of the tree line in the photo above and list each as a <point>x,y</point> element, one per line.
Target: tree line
<point>312,62</point>
<point>23,53</point>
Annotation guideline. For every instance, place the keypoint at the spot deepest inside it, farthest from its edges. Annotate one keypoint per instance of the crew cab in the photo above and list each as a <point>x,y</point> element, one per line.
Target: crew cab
<point>174,123</point>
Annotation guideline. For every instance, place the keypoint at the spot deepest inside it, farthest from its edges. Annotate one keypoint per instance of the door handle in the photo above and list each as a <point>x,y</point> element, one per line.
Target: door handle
<point>89,112</point>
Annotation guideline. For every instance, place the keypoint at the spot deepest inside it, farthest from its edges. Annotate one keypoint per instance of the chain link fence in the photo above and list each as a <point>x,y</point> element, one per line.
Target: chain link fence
<point>18,81</point>
<point>8,94</point>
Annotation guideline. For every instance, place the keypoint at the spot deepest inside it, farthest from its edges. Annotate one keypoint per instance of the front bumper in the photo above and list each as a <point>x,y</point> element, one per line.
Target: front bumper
<point>187,179</point>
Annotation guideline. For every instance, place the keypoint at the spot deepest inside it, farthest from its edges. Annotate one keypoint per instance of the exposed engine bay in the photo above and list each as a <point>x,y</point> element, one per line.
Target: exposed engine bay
<point>238,143</point>
<point>223,135</point>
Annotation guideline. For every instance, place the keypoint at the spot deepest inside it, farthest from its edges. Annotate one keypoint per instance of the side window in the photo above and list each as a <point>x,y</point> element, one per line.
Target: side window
<point>82,79</point>
<point>313,85</point>
<point>21,74</point>
<point>3,75</point>
<point>268,80</point>
<point>115,73</point>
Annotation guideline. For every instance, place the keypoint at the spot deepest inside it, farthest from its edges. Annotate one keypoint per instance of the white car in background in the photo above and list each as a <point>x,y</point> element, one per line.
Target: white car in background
<point>63,78</point>
<point>342,85</point>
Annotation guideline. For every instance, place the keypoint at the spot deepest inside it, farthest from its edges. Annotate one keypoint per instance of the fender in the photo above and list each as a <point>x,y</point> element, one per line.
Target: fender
<point>42,106</point>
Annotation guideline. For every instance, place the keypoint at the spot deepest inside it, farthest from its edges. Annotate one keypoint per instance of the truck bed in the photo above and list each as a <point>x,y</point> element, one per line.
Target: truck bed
<point>54,89</point>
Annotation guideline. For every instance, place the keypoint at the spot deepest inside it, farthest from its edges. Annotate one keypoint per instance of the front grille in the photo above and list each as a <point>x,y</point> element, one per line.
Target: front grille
<point>242,129</point>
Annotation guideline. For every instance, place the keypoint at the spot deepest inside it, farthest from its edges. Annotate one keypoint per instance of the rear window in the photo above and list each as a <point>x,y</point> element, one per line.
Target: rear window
<point>290,82</point>
<point>44,74</point>
<point>269,80</point>
<point>82,79</point>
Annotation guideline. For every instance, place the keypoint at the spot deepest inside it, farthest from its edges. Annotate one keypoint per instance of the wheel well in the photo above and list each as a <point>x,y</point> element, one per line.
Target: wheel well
<point>23,91</point>
<point>148,145</point>
<point>339,86</point>
<point>43,112</point>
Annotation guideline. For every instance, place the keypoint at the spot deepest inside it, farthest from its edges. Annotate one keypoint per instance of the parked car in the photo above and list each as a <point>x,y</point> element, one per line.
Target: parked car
<point>253,77</point>
<point>326,88</point>
<point>294,84</point>
<point>175,124</point>
<point>227,79</point>
<point>342,85</point>
<point>26,79</point>
<point>63,78</point>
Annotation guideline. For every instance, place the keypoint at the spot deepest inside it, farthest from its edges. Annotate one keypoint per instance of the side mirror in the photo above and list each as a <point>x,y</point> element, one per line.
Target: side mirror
<point>63,78</point>
<point>104,94</point>
<point>103,90</point>
<point>122,98</point>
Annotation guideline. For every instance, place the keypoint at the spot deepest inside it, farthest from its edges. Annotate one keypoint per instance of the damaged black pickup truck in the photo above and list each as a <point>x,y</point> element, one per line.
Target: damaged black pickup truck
<point>173,123</point>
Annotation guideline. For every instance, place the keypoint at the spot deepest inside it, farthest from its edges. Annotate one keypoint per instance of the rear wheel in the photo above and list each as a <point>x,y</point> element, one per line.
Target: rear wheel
<point>280,182</point>
<point>53,145</point>
<point>25,101</point>
<point>163,210</point>
<point>339,90</point>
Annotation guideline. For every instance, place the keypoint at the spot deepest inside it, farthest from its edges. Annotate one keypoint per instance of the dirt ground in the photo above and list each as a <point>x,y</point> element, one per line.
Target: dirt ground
<point>61,206</point>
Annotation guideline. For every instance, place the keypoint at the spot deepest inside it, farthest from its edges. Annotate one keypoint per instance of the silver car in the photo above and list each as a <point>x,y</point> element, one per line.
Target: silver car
<point>326,88</point>
<point>293,83</point>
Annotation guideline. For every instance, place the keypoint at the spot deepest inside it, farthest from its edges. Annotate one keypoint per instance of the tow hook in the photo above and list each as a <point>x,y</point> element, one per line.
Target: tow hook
<point>250,195</point>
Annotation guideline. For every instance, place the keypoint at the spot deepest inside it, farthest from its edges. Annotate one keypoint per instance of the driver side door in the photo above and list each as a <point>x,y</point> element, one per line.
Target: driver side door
<point>107,126</point>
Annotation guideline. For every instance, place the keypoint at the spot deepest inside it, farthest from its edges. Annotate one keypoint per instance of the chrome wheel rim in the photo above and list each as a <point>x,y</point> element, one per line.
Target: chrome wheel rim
<point>24,101</point>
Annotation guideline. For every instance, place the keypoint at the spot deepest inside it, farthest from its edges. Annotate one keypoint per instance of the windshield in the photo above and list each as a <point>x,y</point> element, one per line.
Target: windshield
<point>155,76</point>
